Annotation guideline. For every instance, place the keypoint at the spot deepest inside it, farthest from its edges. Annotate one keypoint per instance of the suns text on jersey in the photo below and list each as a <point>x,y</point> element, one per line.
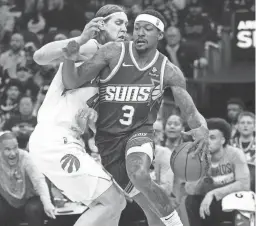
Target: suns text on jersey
<point>119,93</point>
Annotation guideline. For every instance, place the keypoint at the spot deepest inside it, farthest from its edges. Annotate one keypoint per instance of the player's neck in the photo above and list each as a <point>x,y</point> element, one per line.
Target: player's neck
<point>246,138</point>
<point>143,58</point>
<point>217,156</point>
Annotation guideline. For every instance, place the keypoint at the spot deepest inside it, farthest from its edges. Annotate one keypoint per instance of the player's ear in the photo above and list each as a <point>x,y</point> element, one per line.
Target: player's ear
<point>160,35</point>
<point>101,25</point>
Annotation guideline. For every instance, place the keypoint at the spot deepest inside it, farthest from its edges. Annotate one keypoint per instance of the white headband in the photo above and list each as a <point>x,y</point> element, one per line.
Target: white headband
<point>151,19</point>
<point>112,14</point>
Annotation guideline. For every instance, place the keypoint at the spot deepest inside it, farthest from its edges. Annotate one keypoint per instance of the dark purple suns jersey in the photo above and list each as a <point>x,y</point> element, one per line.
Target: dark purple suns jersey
<point>130,96</point>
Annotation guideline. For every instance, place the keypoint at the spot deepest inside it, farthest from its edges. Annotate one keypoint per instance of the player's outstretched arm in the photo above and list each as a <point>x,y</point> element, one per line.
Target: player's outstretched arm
<point>74,77</point>
<point>52,52</point>
<point>174,78</point>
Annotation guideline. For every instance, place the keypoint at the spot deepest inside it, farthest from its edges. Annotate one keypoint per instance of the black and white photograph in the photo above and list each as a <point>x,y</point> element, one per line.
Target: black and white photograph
<point>127,113</point>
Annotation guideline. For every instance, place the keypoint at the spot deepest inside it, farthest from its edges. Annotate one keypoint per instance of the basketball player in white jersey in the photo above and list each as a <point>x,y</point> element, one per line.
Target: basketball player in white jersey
<point>56,144</point>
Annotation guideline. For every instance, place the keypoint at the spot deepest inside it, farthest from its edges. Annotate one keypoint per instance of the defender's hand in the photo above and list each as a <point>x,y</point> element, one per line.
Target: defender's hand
<point>91,29</point>
<point>71,52</point>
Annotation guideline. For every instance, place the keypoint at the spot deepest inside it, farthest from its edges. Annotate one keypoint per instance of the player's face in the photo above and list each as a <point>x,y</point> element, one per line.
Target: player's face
<point>145,36</point>
<point>116,27</point>
<point>233,111</point>
<point>216,141</point>
<point>174,127</point>
<point>246,125</point>
<point>9,151</point>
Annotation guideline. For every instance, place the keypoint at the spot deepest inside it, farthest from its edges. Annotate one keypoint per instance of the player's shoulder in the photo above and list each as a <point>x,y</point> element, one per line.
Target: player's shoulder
<point>112,46</point>
<point>173,76</point>
<point>235,153</point>
<point>111,51</point>
<point>169,66</point>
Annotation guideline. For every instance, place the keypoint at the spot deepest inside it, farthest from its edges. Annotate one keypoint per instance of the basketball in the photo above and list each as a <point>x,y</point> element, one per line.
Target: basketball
<point>184,166</point>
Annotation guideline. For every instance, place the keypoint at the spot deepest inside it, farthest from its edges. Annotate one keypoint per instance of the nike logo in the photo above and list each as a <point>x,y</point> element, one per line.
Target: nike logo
<point>127,65</point>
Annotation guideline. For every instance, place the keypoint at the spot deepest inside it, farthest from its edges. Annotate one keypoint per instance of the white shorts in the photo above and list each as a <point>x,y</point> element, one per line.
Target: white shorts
<point>66,164</point>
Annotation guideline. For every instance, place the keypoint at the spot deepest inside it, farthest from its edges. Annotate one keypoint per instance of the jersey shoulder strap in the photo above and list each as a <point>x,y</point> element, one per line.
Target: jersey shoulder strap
<point>116,68</point>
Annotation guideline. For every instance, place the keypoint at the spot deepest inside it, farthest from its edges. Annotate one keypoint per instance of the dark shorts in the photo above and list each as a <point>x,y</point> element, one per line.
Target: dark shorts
<point>112,149</point>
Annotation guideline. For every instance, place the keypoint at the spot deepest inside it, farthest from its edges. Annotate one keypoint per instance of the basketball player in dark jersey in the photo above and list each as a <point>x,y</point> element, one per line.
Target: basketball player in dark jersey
<point>130,94</point>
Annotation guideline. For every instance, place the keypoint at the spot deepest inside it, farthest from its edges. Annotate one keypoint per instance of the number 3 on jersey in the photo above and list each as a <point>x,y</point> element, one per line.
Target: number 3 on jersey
<point>128,115</point>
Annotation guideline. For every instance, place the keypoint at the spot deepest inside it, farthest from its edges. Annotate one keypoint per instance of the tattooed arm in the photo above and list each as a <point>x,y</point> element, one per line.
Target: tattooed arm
<point>174,78</point>
<point>106,56</point>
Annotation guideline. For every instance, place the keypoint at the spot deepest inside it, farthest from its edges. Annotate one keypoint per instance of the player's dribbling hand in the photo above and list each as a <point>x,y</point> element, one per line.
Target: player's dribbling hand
<point>200,144</point>
<point>91,29</point>
<point>71,51</point>
<point>49,210</point>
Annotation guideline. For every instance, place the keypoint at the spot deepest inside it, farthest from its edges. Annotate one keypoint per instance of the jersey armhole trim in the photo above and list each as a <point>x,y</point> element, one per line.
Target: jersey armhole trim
<point>162,74</point>
<point>114,71</point>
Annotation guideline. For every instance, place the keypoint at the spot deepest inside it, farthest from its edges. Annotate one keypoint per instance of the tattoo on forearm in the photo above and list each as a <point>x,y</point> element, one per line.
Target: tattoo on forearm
<point>187,107</point>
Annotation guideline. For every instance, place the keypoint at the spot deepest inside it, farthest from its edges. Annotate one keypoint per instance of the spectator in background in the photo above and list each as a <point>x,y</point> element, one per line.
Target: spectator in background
<point>228,173</point>
<point>9,100</point>
<point>74,33</point>
<point>158,132</point>
<point>196,27</point>
<point>169,9</point>
<point>34,21</point>
<point>22,124</point>
<point>14,56</point>
<point>132,13</point>
<point>7,21</point>
<point>234,107</point>
<point>29,88</point>
<point>245,137</point>
<point>30,49</point>
<point>60,15</point>
<point>23,189</point>
<point>60,36</point>
<point>180,53</point>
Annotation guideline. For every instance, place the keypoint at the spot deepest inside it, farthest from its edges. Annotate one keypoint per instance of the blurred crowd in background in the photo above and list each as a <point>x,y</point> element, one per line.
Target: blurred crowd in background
<point>198,38</point>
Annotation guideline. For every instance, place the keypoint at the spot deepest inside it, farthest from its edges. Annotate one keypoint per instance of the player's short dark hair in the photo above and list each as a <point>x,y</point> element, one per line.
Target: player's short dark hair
<point>221,125</point>
<point>237,101</point>
<point>155,13</point>
<point>246,113</point>
<point>108,9</point>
